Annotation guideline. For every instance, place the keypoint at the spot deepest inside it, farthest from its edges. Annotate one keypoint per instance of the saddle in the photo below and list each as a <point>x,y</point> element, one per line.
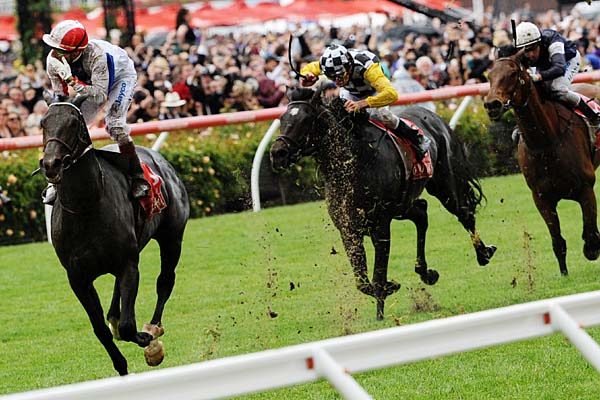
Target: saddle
<point>414,169</point>
<point>594,131</point>
<point>155,202</point>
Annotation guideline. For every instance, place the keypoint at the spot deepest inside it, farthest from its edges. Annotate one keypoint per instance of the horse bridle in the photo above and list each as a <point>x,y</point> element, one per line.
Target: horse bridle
<point>296,150</point>
<point>69,159</point>
<point>524,93</point>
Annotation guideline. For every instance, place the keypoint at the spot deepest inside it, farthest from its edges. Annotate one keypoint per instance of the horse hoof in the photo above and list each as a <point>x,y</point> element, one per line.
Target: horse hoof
<point>484,257</point>
<point>154,330</point>
<point>591,252</point>
<point>113,325</point>
<point>431,277</point>
<point>154,353</point>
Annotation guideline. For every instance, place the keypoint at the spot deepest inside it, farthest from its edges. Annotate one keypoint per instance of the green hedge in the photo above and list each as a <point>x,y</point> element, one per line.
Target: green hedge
<point>215,166</point>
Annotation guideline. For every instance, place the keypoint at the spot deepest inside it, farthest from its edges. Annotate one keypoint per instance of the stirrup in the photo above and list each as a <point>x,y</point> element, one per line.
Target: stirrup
<point>516,133</point>
<point>49,195</point>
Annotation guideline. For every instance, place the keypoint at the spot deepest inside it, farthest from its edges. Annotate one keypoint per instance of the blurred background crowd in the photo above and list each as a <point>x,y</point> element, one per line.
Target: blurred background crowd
<point>191,72</point>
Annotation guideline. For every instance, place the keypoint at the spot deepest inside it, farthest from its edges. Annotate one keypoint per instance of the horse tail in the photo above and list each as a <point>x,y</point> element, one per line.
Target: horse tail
<point>464,173</point>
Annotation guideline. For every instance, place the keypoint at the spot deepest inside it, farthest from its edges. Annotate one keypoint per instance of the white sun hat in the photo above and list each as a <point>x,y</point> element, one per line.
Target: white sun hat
<point>172,99</point>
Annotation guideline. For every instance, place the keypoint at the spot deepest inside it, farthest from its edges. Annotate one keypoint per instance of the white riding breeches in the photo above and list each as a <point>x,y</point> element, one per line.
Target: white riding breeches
<point>561,86</point>
<point>117,104</point>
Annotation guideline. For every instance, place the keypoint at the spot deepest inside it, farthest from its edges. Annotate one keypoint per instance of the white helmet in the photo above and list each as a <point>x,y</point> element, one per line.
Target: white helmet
<point>527,33</point>
<point>336,60</point>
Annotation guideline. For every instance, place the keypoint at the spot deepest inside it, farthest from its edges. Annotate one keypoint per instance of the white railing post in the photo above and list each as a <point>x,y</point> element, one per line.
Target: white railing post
<point>460,111</point>
<point>326,367</point>
<point>561,321</point>
<point>254,176</point>
<point>160,140</point>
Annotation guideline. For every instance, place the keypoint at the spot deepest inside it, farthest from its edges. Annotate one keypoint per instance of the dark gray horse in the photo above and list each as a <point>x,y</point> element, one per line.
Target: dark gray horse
<point>98,229</point>
<point>369,183</point>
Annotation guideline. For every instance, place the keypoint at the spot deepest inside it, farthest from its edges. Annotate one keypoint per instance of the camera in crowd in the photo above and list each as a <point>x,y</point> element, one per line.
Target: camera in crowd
<point>5,201</point>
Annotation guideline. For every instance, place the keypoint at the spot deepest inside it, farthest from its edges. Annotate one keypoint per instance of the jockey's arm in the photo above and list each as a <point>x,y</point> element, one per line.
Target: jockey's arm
<point>312,68</point>
<point>558,62</point>
<point>386,94</point>
<point>59,87</point>
<point>98,90</point>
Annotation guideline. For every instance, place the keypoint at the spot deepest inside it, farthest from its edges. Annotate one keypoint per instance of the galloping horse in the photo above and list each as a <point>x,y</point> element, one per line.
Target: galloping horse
<point>555,151</point>
<point>97,229</point>
<point>369,182</point>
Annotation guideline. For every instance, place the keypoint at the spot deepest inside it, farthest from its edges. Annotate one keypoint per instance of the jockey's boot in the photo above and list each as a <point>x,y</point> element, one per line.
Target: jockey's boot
<point>49,195</point>
<point>139,186</point>
<point>590,114</point>
<point>419,142</point>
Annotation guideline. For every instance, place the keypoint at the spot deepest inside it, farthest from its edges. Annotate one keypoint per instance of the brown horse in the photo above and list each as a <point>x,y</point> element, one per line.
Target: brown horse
<point>555,151</point>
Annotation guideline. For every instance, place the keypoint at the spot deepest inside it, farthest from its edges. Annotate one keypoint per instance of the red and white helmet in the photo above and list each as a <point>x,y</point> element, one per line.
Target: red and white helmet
<point>68,35</point>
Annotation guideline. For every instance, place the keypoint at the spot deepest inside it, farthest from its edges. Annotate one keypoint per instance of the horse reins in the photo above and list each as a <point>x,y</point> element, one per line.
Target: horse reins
<point>524,94</point>
<point>296,149</point>
<point>71,149</point>
<point>73,160</point>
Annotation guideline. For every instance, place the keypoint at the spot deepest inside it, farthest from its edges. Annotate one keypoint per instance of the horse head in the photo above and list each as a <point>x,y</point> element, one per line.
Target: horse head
<point>299,128</point>
<point>510,85</point>
<point>65,138</point>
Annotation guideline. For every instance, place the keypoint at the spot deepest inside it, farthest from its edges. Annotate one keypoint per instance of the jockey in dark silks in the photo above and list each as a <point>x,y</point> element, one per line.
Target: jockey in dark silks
<point>556,59</point>
<point>364,86</point>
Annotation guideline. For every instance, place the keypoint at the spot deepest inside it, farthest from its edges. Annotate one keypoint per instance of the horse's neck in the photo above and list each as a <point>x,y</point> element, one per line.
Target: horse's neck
<point>537,129</point>
<point>82,184</point>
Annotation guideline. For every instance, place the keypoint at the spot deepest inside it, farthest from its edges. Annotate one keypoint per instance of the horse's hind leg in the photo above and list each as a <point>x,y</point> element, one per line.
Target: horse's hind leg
<point>418,215</point>
<point>88,297</point>
<point>548,212</point>
<point>114,312</point>
<point>380,236</point>
<point>464,210</point>
<point>591,237</point>
<point>170,251</point>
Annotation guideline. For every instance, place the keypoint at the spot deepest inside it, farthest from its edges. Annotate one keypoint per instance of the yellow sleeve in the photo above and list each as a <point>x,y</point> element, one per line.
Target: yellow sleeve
<point>386,94</point>
<point>313,67</point>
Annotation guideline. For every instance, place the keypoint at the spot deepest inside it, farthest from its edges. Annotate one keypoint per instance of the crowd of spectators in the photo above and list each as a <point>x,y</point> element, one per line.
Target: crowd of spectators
<point>196,72</point>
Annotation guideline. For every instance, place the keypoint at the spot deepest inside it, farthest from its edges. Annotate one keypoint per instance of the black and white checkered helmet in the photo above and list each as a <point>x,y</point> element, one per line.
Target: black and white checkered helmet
<point>335,61</point>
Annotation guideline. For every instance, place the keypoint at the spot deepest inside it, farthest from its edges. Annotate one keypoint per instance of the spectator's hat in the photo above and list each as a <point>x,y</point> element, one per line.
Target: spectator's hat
<point>172,100</point>
<point>161,63</point>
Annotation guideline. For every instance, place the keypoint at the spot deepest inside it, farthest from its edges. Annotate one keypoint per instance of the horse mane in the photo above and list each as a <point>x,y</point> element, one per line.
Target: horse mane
<point>300,94</point>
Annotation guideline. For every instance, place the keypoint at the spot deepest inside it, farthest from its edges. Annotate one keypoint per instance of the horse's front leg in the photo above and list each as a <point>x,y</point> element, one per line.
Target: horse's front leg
<point>380,237</point>
<point>418,215</point>
<point>591,237</point>
<point>548,212</point>
<point>88,297</point>
<point>355,250</point>
<point>128,287</point>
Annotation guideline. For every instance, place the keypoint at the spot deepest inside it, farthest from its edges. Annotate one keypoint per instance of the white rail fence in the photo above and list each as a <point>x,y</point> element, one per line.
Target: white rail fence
<point>336,359</point>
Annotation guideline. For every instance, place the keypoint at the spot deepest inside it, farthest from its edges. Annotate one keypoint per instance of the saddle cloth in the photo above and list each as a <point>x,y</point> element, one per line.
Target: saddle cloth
<point>154,203</point>
<point>417,170</point>
<point>594,131</point>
